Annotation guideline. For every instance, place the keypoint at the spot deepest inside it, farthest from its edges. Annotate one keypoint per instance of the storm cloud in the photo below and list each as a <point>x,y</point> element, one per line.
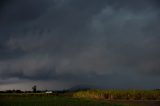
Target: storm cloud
<point>106,43</point>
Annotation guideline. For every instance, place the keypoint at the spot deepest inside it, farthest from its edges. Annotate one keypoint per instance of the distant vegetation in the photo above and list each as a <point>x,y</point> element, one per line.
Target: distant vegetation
<point>119,94</point>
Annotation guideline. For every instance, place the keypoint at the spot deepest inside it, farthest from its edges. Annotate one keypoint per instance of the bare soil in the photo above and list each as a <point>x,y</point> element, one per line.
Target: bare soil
<point>138,102</point>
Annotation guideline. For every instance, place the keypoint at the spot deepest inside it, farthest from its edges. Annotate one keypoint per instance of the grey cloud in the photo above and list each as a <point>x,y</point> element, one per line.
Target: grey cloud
<point>108,41</point>
<point>23,10</point>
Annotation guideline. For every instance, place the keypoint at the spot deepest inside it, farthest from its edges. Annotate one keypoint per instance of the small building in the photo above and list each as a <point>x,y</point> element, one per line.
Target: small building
<point>48,92</point>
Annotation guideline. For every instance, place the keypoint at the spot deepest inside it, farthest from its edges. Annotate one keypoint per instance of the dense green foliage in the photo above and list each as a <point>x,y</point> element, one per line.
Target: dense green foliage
<point>47,100</point>
<point>120,94</point>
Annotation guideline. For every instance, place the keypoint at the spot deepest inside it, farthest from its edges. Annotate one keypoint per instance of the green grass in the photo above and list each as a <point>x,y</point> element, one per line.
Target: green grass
<point>84,98</point>
<point>47,100</point>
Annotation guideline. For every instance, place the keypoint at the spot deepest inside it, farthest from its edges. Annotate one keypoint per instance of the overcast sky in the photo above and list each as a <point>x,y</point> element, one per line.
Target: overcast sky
<point>57,44</point>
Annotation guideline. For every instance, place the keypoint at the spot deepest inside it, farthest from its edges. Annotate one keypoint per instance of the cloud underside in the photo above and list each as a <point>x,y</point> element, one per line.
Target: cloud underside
<point>105,43</point>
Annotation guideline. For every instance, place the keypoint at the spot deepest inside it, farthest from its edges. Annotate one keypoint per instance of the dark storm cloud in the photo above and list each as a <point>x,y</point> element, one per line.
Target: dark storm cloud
<point>107,41</point>
<point>22,10</point>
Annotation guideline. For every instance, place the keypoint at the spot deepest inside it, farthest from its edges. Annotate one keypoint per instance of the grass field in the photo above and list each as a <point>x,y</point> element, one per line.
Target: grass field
<point>47,100</point>
<point>127,97</point>
<point>84,98</point>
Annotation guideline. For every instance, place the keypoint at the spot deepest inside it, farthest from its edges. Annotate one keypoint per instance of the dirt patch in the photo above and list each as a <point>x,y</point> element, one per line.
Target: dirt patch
<point>137,102</point>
